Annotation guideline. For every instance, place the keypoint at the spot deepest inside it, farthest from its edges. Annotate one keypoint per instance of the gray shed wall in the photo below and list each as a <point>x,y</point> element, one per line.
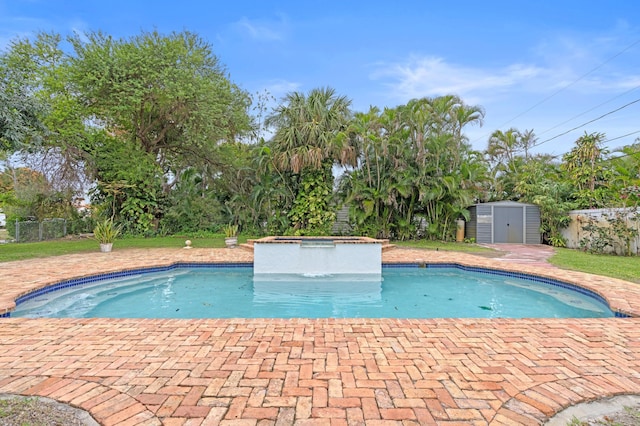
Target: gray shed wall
<point>481,222</point>
<point>470,226</point>
<point>484,218</point>
<point>532,225</point>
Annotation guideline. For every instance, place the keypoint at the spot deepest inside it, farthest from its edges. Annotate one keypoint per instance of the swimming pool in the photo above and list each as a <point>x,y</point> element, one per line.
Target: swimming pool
<point>219,291</point>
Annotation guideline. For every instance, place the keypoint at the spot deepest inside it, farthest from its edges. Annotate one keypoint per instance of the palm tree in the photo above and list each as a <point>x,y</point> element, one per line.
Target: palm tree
<point>310,137</point>
<point>584,165</point>
<point>626,179</point>
<point>528,140</point>
<point>310,131</point>
<point>414,161</point>
<point>503,146</point>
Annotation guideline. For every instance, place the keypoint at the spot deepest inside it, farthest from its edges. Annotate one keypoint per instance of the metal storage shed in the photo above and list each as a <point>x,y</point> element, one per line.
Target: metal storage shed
<point>504,222</point>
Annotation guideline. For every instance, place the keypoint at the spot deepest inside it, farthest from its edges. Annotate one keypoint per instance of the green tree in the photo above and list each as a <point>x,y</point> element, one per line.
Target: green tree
<point>18,117</point>
<point>20,111</point>
<point>586,168</point>
<point>505,146</point>
<point>310,137</point>
<point>33,76</point>
<point>192,206</point>
<point>165,99</point>
<point>273,192</point>
<point>625,182</point>
<point>131,113</point>
<point>507,153</point>
<point>540,181</point>
<point>409,181</point>
<point>168,94</point>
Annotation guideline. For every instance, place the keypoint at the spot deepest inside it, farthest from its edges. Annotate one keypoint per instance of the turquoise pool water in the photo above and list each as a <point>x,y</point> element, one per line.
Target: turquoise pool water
<point>228,292</point>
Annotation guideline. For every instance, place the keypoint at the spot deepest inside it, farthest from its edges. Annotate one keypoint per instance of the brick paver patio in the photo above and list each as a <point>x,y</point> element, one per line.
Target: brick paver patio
<point>314,372</point>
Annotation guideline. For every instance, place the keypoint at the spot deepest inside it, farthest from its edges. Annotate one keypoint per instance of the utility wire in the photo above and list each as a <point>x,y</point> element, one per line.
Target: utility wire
<point>621,156</point>
<point>620,137</point>
<point>589,110</point>
<point>614,139</point>
<point>584,124</point>
<point>564,87</point>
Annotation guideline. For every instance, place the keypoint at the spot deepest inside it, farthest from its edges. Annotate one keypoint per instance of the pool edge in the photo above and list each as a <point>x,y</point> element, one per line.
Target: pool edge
<point>618,312</point>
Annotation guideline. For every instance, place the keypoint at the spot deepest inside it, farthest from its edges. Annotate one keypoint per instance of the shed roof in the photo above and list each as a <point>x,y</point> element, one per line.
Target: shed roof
<point>505,203</point>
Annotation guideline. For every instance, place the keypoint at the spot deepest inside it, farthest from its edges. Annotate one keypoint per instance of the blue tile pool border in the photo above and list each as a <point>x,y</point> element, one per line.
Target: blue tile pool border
<point>74,282</point>
<point>531,277</point>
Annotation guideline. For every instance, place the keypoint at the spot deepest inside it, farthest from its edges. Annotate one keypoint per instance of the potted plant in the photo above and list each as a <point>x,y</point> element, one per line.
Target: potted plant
<point>106,233</point>
<point>231,235</point>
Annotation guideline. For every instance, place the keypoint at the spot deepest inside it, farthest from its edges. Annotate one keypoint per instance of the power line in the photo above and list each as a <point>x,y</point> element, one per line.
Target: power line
<point>622,156</point>
<point>589,110</point>
<point>588,122</point>
<point>564,87</point>
<point>620,137</point>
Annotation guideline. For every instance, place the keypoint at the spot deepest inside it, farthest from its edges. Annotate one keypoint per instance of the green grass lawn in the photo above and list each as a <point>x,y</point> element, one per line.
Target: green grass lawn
<point>441,245</point>
<point>626,268</point>
<point>21,251</point>
<point>623,267</point>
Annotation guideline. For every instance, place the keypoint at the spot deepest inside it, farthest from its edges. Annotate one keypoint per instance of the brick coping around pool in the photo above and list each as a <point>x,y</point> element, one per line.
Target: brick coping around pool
<point>314,371</point>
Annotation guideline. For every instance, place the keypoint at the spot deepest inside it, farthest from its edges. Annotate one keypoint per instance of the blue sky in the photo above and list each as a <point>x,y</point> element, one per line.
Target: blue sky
<point>548,65</point>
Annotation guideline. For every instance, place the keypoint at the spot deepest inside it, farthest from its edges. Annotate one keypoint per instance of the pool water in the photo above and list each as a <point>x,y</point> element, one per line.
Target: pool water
<point>231,292</point>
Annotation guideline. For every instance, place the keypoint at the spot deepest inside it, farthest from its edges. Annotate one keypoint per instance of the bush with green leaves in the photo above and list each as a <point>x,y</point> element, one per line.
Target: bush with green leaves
<point>106,232</point>
<point>613,233</point>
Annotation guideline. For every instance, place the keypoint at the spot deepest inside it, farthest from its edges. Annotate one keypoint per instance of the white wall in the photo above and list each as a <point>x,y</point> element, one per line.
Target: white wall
<point>292,258</point>
<point>574,233</point>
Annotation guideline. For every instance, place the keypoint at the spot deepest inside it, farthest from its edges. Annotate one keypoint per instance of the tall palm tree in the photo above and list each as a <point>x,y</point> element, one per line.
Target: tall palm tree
<point>582,159</point>
<point>503,146</point>
<point>310,131</point>
<point>528,140</point>
<point>311,135</point>
<point>414,162</point>
<point>585,168</point>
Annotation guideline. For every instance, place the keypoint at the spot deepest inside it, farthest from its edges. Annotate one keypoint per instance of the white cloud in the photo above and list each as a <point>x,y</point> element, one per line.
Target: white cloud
<point>279,88</point>
<point>567,65</point>
<point>263,30</point>
<point>433,76</point>
<point>565,80</point>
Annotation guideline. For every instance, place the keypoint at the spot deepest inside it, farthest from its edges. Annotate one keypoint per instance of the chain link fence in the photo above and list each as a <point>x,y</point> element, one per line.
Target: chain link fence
<point>48,229</point>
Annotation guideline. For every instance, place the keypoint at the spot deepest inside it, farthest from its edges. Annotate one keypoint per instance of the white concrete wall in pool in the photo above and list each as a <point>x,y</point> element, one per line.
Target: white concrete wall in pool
<point>294,258</point>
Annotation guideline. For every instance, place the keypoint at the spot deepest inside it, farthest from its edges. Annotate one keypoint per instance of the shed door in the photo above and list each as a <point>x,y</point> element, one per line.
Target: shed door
<point>507,225</point>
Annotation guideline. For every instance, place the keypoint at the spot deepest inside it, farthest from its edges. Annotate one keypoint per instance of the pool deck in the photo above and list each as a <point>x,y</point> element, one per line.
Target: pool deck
<point>316,372</point>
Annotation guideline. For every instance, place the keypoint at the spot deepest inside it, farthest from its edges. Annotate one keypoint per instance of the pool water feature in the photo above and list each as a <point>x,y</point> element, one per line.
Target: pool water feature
<point>317,256</point>
<point>228,292</point>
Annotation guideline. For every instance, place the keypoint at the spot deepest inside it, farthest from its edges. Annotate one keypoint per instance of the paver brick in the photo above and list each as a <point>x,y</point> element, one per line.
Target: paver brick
<point>191,411</point>
<point>306,371</point>
<point>397,413</point>
<point>169,406</point>
<point>132,414</point>
<point>303,407</point>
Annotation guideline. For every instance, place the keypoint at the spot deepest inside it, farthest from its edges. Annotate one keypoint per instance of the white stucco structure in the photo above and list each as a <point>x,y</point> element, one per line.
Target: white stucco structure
<point>326,256</point>
<point>575,232</point>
